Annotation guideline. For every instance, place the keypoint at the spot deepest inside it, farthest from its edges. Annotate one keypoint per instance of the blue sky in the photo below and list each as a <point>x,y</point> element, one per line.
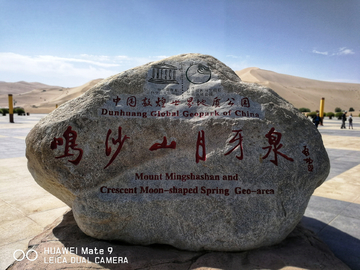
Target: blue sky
<point>70,42</point>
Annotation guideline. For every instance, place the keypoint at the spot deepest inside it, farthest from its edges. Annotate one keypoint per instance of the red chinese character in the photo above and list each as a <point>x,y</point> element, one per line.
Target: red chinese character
<point>160,102</point>
<point>200,143</point>
<point>146,102</point>
<point>245,102</point>
<point>176,102</point>
<point>116,100</point>
<point>131,101</point>
<point>55,142</point>
<point>216,102</point>
<point>70,142</point>
<point>201,102</point>
<point>157,146</point>
<point>190,101</point>
<point>309,161</point>
<point>274,140</point>
<point>238,137</point>
<point>230,102</point>
<point>306,151</point>
<point>118,140</point>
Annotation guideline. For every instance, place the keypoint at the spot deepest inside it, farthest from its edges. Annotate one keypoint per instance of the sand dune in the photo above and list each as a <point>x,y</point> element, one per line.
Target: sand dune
<point>22,87</point>
<point>301,92</point>
<point>43,99</point>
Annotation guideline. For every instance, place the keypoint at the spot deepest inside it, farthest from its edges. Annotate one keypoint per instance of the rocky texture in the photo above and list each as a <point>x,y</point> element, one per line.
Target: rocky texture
<point>180,152</point>
<point>300,250</point>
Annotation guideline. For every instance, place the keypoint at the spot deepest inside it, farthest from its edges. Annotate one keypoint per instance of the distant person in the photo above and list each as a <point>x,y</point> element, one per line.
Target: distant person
<point>317,120</point>
<point>350,121</point>
<point>343,119</point>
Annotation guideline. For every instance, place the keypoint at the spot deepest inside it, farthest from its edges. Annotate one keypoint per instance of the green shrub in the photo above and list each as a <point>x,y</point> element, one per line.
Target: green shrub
<point>330,115</point>
<point>4,111</point>
<point>19,111</point>
<point>337,109</point>
<point>338,115</point>
<point>312,114</point>
<point>351,109</point>
<point>304,110</point>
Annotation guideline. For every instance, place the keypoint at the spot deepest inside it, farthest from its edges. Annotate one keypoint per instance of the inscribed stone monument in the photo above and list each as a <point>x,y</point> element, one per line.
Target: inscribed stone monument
<point>180,152</point>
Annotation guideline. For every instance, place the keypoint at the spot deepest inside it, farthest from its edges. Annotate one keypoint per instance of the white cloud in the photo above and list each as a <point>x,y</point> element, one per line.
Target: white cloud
<point>318,52</point>
<point>49,58</point>
<point>340,51</point>
<point>233,56</point>
<point>65,71</point>
<point>344,51</point>
<point>237,63</point>
<point>158,57</point>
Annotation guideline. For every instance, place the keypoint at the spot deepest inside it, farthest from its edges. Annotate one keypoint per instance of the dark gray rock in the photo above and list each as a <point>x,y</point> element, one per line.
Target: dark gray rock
<point>180,152</point>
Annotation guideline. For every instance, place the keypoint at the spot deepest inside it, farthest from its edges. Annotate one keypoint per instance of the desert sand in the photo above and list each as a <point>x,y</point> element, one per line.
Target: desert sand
<point>301,92</point>
<point>307,93</point>
<point>43,99</point>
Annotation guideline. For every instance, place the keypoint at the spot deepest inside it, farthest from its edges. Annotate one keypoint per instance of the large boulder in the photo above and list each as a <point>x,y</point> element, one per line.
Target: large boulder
<point>180,152</point>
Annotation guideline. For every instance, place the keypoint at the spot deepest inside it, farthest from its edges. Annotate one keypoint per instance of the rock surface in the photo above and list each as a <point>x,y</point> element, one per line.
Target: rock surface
<point>300,250</point>
<point>180,152</point>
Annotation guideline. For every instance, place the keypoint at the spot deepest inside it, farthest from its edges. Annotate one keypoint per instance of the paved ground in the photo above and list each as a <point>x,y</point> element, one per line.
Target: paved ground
<point>26,208</point>
<point>333,212</point>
